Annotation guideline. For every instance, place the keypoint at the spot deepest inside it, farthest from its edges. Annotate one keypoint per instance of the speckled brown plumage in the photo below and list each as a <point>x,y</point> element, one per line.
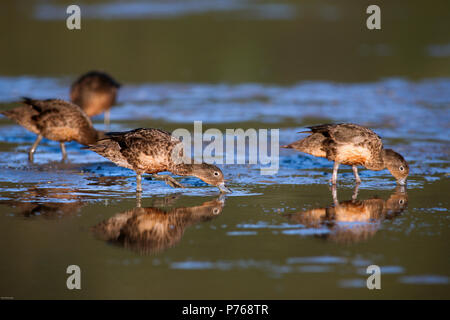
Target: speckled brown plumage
<point>54,119</point>
<point>353,145</point>
<point>95,92</point>
<point>152,230</point>
<point>365,215</point>
<point>151,151</point>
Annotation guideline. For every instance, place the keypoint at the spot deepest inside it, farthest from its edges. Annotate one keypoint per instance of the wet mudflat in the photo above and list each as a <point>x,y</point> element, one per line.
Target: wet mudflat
<point>231,64</point>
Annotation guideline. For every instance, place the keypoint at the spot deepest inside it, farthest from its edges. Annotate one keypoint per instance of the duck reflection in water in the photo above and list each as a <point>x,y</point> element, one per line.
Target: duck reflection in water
<point>48,203</point>
<point>353,220</point>
<point>152,230</point>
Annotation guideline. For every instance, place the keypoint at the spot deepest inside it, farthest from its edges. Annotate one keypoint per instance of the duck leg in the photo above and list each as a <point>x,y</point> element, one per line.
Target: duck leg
<point>334,195</point>
<point>168,179</point>
<point>355,172</point>
<point>138,182</point>
<point>33,147</point>
<point>335,172</point>
<point>106,116</point>
<point>63,151</point>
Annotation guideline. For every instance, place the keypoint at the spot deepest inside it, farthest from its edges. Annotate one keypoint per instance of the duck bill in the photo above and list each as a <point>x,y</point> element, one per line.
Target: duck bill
<point>401,182</point>
<point>224,189</point>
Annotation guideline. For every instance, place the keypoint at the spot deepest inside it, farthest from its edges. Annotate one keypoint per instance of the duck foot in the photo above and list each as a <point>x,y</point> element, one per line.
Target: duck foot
<point>168,179</point>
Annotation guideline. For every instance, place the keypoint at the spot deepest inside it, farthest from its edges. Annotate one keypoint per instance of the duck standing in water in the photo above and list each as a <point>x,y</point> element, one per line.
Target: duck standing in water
<point>153,151</point>
<point>56,120</point>
<point>353,145</point>
<point>95,92</point>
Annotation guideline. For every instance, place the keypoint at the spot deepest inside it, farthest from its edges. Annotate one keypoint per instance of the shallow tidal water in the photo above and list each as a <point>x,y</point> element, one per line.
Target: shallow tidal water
<point>281,236</point>
<point>268,239</point>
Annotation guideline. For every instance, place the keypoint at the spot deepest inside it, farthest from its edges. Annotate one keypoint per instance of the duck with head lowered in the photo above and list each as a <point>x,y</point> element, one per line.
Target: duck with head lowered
<point>353,145</point>
<point>56,120</point>
<point>152,151</point>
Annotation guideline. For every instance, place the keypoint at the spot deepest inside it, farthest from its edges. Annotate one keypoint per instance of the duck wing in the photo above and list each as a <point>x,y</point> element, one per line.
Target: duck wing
<point>353,144</point>
<point>58,113</point>
<point>348,134</point>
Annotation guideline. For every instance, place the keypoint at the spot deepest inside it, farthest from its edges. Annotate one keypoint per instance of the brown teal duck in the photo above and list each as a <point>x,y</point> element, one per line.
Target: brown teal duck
<point>56,120</point>
<point>95,92</point>
<point>353,145</point>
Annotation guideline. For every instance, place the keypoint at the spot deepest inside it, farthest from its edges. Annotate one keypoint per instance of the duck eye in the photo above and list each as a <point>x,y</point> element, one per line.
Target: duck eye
<point>216,173</point>
<point>401,201</point>
<point>401,168</point>
<point>216,211</point>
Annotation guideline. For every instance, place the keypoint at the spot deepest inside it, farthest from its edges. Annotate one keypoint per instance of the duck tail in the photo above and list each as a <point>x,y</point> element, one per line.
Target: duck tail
<point>101,135</point>
<point>22,112</point>
<point>286,146</point>
<point>101,146</point>
<point>13,114</point>
<point>96,138</point>
<point>33,103</point>
<point>27,100</point>
<point>24,116</point>
<point>6,113</point>
<point>94,147</point>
